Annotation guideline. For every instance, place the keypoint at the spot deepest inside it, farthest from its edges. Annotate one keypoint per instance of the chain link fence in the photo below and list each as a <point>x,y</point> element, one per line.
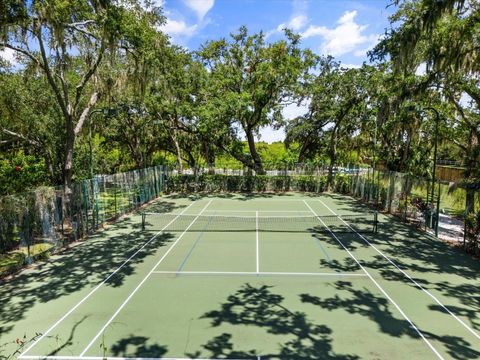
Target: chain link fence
<point>35,224</point>
<point>439,209</point>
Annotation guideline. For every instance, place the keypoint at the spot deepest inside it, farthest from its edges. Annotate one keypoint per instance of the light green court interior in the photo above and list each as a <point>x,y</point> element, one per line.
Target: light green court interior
<point>129,293</point>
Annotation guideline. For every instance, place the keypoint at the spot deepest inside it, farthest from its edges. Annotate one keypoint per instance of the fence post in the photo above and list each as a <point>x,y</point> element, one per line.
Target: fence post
<point>85,195</point>
<point>115,196</point>
<point>438,209</point>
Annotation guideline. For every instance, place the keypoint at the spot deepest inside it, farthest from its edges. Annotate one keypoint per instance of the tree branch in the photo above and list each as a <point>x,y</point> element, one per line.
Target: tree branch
<point>460,145</point>
<point>83,117</point>
<point>49,75</point>
<point>77,26</point>
<point>21,137</point>
<point>22,51</point>
<point>88,75</point>
<point>459,109</point>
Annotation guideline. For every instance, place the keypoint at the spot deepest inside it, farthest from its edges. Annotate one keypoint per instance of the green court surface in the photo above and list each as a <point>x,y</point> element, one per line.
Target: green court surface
<point>209,292</point>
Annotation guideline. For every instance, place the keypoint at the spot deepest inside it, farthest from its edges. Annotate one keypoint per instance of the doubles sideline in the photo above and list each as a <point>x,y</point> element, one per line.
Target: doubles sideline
<point>140,284</point>
<point>414,327</point>
<point>473,332</point>
<point>22,355</point>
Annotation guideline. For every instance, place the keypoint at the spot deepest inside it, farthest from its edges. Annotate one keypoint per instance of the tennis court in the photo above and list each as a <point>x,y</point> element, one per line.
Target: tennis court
<point>286,276</point>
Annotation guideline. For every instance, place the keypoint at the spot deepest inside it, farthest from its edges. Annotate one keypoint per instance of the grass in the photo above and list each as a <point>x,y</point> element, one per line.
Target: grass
<point>452,203</point>
<point>11,262</point>
<point>114,202</point>
<point>14,260</point>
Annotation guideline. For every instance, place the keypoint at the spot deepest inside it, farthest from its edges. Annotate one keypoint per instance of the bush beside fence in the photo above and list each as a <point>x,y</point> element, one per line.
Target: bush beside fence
<point>254,183</point>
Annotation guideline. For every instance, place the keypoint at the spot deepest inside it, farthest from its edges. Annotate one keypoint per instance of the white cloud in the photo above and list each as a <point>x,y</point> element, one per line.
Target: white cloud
<point>346,37</point>
<point>350,66</point>
<point>200,7</point>
<point>295,23</point>
<point>178,28</point>
<point>8,55</point>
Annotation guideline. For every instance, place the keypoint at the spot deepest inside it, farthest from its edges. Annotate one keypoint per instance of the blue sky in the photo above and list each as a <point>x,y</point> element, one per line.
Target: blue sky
<point>345,29</point>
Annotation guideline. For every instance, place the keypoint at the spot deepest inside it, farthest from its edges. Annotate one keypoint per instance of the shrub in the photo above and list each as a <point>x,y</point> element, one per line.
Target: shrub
<point>472,236</point>
<point>249,183</point>
<point>342,184</point>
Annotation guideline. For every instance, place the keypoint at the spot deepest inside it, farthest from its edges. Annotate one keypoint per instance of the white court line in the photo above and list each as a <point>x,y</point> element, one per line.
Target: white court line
<point>409,277</point>
<point>378,286</point>
<point>218,216</point>
<point>54,357</point>
<point>276,199</point>
<point>140,284</point>
<point>269,273</point>
<point>257,251</point>
<point>99,285</point>
<point>263,211</point>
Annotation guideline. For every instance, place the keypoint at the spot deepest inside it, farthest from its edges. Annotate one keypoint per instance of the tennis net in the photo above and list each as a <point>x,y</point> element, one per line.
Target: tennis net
<point>168,222</point>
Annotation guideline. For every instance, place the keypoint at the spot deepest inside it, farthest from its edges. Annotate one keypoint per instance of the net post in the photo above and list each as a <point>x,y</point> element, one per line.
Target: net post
<point>144,215</point>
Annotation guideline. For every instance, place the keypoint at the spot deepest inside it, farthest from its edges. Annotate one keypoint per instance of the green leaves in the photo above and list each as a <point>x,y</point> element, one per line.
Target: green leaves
<point>249,82</point>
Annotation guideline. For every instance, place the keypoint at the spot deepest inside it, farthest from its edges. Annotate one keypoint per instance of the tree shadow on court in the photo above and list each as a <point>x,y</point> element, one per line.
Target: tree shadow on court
<point>365,303</point>
<point>432,263</point>
<point>62,344</point>
<point>416,249</point>
<point>82,266</point>
<point>222,347</point>
<point>188,195</point>
<point>349,240</point>
<point>376,308</point>
<point>457,347</point>
<point>137,347</point>
<point>347,265</point>
<point>420,251</point>
<point>259,306</point>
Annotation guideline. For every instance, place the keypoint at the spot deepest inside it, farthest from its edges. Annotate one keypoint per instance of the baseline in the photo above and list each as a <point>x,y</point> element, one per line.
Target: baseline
<point>254,273</point>
<point>54,357</point>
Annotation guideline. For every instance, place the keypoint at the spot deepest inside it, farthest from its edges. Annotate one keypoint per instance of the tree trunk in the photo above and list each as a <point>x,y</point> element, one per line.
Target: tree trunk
<point>49,165</point>
<point>472,168</point>
<point>178,151</point>
<point>68,167</point>
<point>209,155</point>
<point>139,159</point>
<point>257,161</point>
<point>470,201</point>
<point>333,158</point>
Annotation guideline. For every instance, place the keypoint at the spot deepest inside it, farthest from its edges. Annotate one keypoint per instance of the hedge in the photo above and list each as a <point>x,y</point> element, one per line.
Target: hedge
<point>258,183</point>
